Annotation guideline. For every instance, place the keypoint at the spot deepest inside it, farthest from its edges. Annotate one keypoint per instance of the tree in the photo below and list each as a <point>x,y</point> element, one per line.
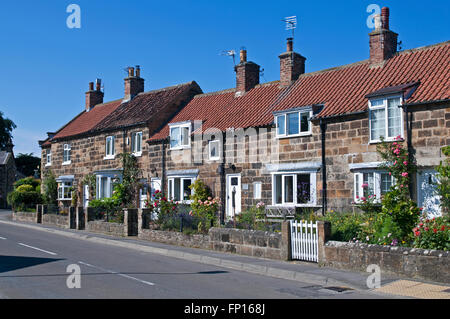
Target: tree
<point>6,127</point>
<point>27,164</point>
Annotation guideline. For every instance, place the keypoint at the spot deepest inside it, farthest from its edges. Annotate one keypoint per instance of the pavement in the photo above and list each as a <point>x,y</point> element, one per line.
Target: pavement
<point>285,279</point>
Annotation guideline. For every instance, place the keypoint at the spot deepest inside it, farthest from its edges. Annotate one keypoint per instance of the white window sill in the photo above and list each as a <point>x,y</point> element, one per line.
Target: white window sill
<point>214,159</point>
<point>180,148</point>
<point>48,165</point>
<point>296,205</point>
<point>389,140</point>
<point>64,198</point>
<point>67,163</point>
<point>306,134</point>
<point>109,157</point>
<point>137,154</point>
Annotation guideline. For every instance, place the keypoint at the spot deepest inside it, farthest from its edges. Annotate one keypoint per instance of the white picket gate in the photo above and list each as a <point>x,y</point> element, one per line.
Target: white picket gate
<point>304,240</point>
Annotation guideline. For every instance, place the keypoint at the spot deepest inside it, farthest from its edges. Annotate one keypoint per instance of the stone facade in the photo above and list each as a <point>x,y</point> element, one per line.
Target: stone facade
<point>347,142</point>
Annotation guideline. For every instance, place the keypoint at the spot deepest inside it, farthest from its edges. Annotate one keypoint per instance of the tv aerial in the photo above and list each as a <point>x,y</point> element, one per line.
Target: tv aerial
<point>230,53</point>
<point>291,24</point>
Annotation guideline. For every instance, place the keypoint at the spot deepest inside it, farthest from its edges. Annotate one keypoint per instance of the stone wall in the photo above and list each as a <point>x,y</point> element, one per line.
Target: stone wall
<point>56,220</point>
<point>24,217</point>
<point>248,242</point>
<point>114,229</point>
<point>406,262</point>
<point>175,238</point>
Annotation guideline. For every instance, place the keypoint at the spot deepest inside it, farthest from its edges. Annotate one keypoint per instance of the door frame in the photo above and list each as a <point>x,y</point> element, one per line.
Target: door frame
<point>228,213</point>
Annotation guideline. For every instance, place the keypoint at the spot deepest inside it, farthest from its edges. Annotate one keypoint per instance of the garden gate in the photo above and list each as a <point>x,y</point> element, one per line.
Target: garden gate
<point>304,240</point>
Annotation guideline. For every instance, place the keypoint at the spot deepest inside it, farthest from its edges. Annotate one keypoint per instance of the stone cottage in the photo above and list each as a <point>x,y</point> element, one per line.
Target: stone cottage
<point>90,142</point>
<point>308,141</point>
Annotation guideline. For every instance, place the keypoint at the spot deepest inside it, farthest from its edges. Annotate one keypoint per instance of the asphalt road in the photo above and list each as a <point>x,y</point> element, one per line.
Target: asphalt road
<point>33,264</point>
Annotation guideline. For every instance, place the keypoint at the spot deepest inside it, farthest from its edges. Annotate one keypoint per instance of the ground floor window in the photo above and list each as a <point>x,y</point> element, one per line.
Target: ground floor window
<point>294,189</point>
<point>65,190</point>
<point>105,185</point>
<point>371,183</point>
<point>178,188</point>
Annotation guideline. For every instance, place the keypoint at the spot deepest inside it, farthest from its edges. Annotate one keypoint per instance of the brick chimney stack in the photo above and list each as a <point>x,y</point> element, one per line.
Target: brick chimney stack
<point>292,64</point>
<point>94,97</point>
<point>134,84</point>
<point>247,74</point>
<point>383,42</point>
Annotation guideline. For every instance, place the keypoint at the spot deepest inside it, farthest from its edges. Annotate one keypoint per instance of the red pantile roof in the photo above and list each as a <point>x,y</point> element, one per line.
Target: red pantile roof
<point>141,109</point>
<point>341,90</point>
<point>86,121</point>
<point>117,114</point>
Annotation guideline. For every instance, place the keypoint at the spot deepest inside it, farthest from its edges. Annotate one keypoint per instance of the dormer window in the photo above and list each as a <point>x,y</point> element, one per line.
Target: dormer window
<point>385,119</point>
<point>293,123</point>
<point>180,136</point>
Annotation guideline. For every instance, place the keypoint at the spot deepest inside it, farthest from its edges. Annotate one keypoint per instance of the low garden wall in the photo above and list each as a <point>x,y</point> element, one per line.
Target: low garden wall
<point>98,226</point>
<point>406,262</point>
<point>56,220</point>
<point>24,217</point>
<point>249,243</point>
<point>176,238</point>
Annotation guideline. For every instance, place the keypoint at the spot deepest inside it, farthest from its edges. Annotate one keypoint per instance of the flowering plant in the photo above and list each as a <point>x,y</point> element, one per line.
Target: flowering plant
<point>165,209</point>
<point>432,233</point>
<point>203,205</point>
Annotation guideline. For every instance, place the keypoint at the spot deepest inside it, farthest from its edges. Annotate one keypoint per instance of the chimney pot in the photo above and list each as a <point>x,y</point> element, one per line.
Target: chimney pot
<point>243,55</point>
<point>91,86</point>
<point>385,18</point>
<point>98,84</point>
<point>138,71</point>
<point>133,84</point>
<point>130,72</point>
<point>290,45</point>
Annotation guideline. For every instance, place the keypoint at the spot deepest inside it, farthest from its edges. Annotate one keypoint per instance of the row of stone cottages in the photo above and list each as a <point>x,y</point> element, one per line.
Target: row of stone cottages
<point>307,140</point>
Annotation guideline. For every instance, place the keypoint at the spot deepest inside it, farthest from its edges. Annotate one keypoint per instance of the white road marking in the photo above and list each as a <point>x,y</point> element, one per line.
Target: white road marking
<point>45,251</point>
<point>117,273</point>
<point>3,238</point>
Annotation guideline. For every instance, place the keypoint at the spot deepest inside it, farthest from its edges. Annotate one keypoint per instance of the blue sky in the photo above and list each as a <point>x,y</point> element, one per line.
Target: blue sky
<point>45,66</point>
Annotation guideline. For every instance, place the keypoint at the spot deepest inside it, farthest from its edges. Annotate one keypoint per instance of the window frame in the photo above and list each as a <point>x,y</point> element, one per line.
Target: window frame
<point>62,186</point>
<point>134,139</point>
<point>257,190</point>
<point>67,148</point>
<point>48,156</point>
<point>110,140</point>
<point>286,124</point>
<point>385,107</point>
<point>180,127</point>
<point>215,158</point>
<point>171,188</point>
<point>358,181</point>
<point>313,188</point>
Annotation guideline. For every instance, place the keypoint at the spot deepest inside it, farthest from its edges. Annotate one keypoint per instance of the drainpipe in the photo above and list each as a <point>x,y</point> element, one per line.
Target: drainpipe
<point>222,184</point>
<point>323,128</point>
<point>409,145</point>
<point>163,167</point>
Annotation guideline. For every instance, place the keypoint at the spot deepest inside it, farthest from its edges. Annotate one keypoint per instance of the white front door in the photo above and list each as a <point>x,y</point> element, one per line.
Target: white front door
<point>143,196</point>
<point>234,204</point>
<point>86,196</point>
<point>427,196</point>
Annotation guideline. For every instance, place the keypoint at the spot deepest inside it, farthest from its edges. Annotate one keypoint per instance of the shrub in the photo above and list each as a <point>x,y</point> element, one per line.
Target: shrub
<point>27,181</point>
<point>252,218</point>
<point>433,234</point>
<point>203,206</point>
<point>50,188</point>
<point>24,200</point>
<point>346,226</point>
<point>443,186</point>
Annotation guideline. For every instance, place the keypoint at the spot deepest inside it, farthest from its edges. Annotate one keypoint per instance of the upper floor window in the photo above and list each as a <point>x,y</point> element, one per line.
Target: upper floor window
<point>214,150</point>
<point>180,136</point>
<point>136,143</point>
<point>109,148</point>
<point>292,124</point>
<point>385,119</point>
<point>49,158</point>
<point>66,154</point>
